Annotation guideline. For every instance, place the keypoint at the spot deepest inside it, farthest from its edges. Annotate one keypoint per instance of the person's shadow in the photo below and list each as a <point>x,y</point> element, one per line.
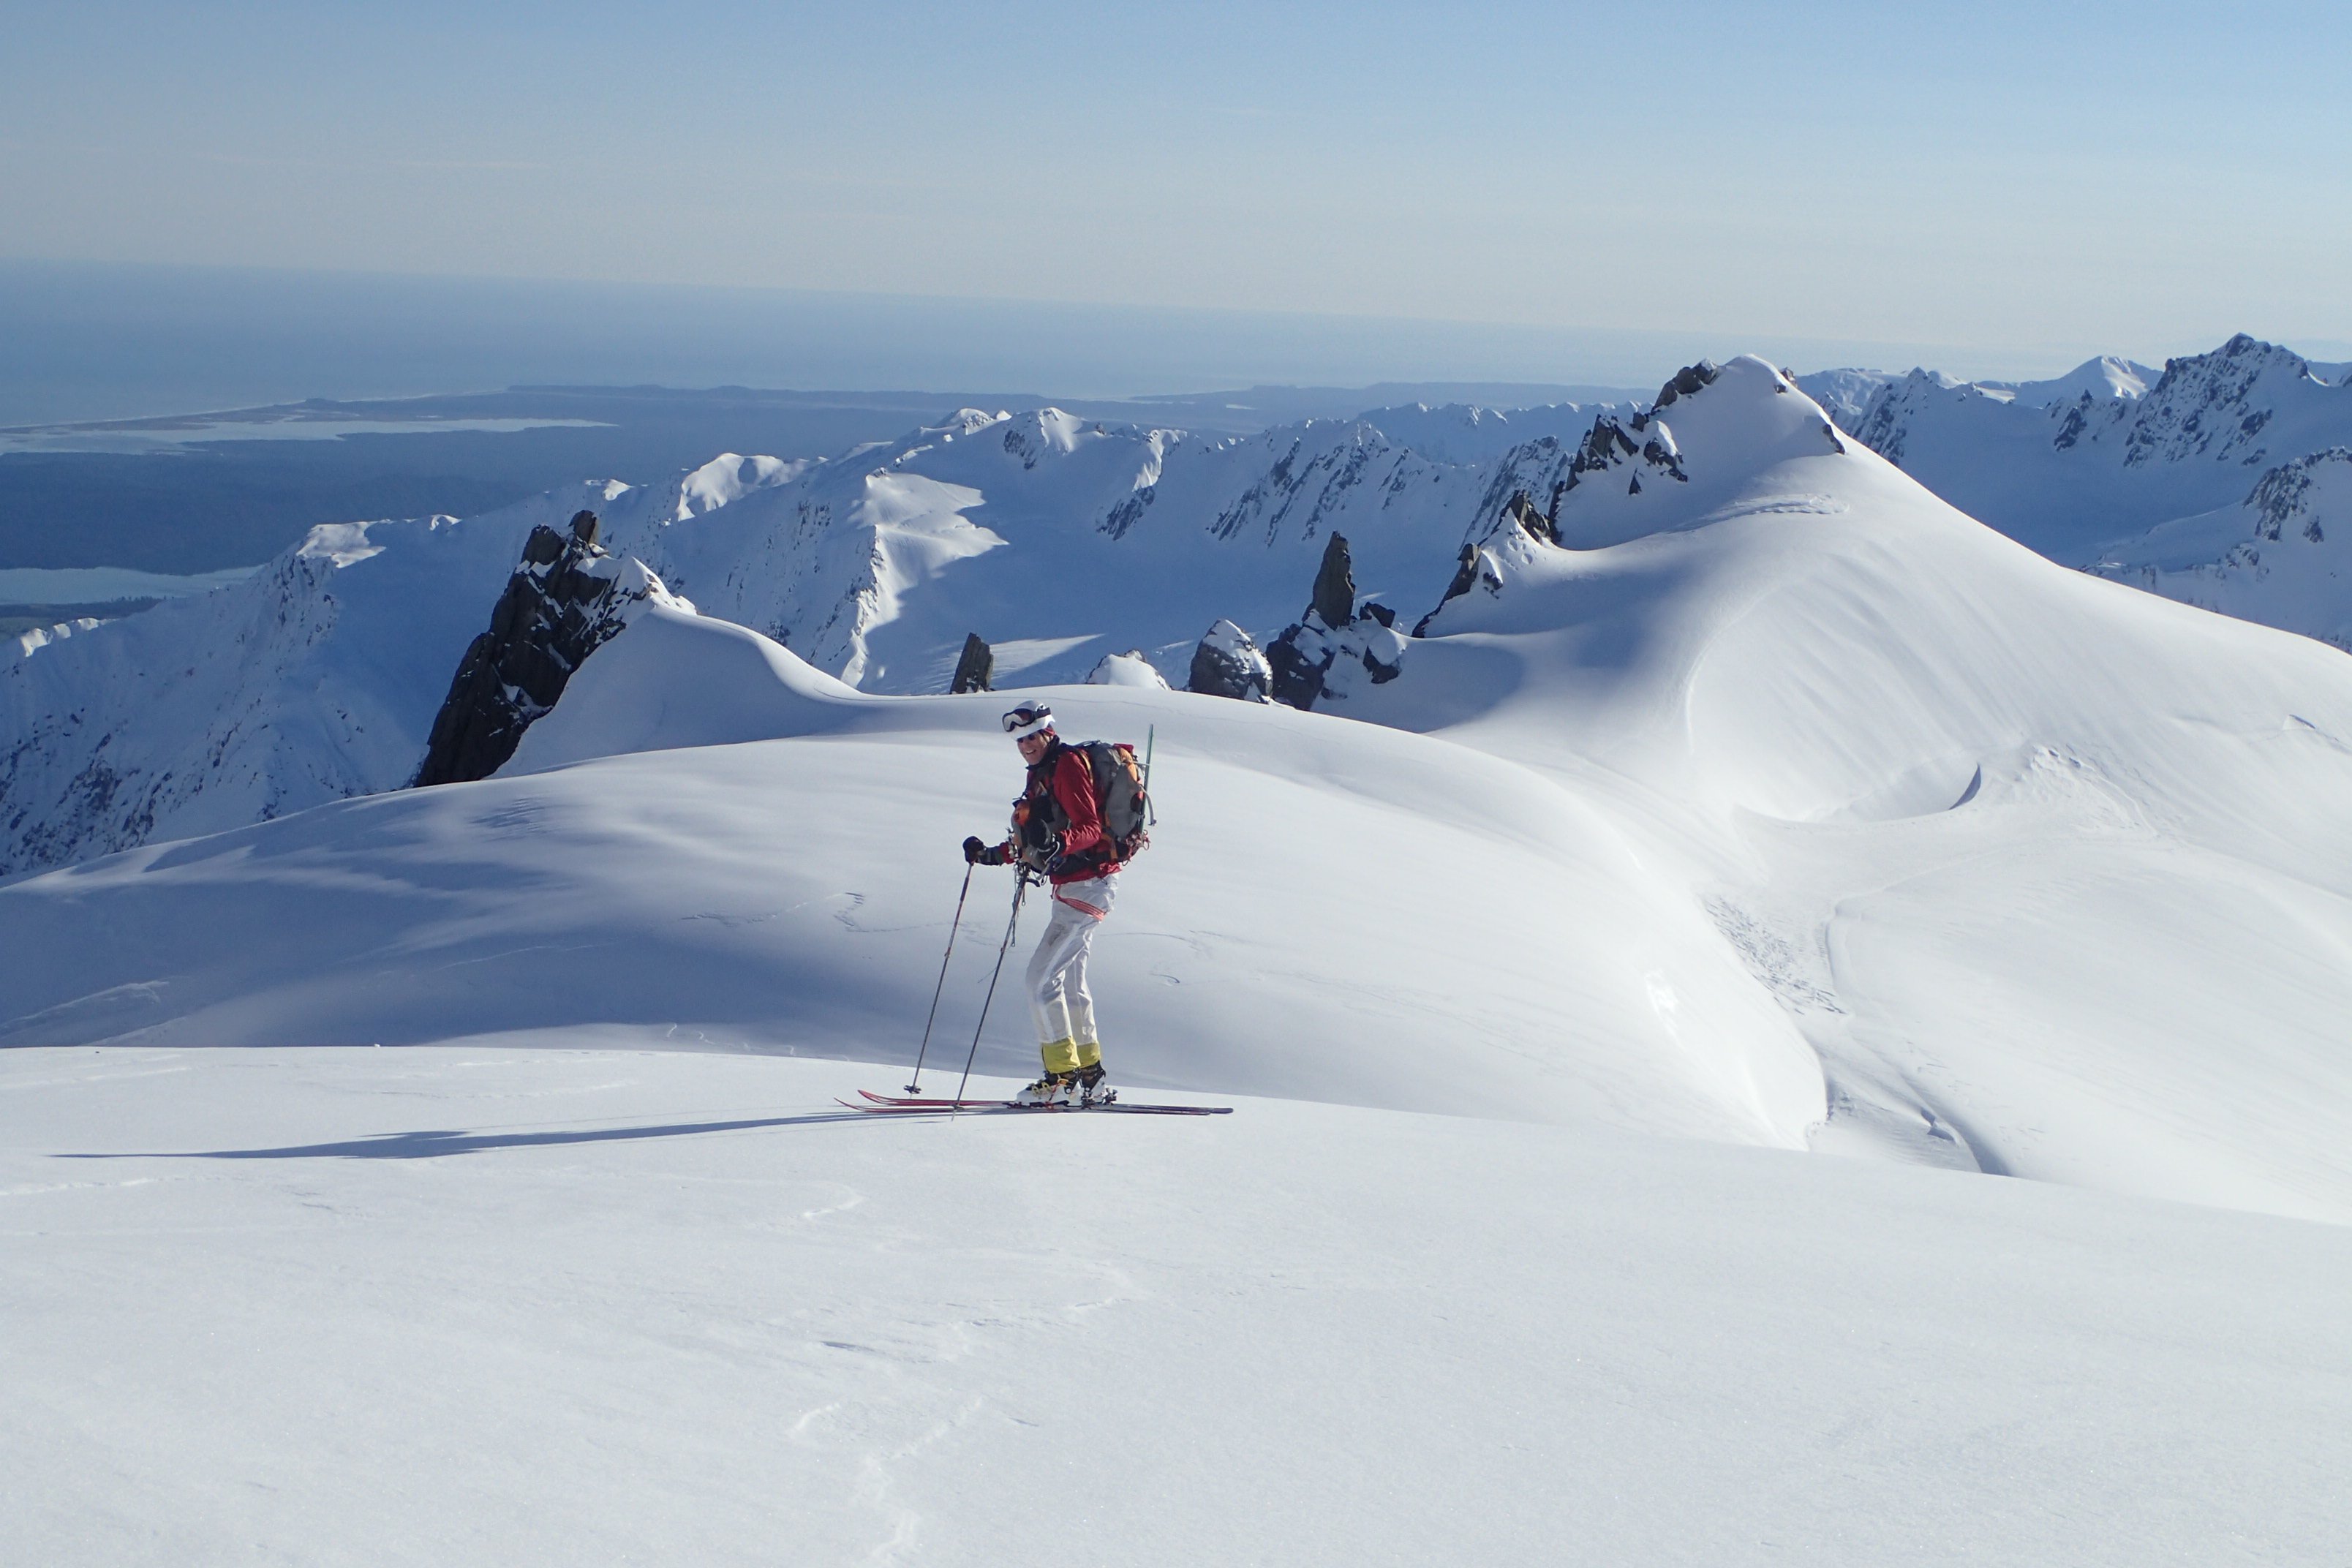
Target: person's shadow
<point>435,1144</point>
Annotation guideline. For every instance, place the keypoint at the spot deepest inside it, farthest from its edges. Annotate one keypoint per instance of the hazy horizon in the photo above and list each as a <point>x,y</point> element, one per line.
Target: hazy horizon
<point>1514,189</point>
<point>87,341</point>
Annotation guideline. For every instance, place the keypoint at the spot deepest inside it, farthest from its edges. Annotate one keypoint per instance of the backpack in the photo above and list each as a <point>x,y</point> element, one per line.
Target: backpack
<point>1119,801</point>
<point>1119,795</point>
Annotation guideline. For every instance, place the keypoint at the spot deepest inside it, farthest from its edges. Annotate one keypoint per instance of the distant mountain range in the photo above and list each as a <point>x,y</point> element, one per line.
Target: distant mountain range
<point>1735,786</point>
<point>1059,540</point>
<point>2181,482</point>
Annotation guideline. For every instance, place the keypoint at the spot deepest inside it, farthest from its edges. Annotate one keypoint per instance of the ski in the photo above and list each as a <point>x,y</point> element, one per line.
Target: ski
<point>886,1105</point>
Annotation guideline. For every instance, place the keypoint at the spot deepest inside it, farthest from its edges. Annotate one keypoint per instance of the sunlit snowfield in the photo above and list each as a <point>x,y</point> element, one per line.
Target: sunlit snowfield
<point>1785,809</point>
<point>482,1304</point>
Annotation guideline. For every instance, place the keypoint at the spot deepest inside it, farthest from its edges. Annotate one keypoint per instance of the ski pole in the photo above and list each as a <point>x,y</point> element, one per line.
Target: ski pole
<point>915,1086</point>
<point>1020,891</point>
<point>1151,817</point>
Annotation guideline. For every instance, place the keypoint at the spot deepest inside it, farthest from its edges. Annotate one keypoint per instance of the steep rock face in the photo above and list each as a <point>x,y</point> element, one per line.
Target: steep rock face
<point>314,678</point>
<point>566,597</point>
<point>1334,598</point>
<point>2216,406</point>
<point>975,668</point>
<point>1325,653</point>
<point>1229,663</point>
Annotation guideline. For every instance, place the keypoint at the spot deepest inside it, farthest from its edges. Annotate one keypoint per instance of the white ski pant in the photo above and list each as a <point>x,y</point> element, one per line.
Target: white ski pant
<point>1058,997</point>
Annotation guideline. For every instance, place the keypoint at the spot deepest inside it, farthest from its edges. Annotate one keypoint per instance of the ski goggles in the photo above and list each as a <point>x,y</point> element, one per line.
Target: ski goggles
<point>1029,718</point>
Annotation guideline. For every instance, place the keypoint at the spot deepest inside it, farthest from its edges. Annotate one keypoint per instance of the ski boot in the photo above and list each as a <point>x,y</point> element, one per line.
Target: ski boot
<point>1092,1085</point>
<point>1054,1088</point>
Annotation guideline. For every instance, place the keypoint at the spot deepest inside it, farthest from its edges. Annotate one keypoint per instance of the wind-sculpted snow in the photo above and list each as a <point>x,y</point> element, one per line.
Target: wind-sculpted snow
<point>2061,868</point>
<point>1767,798</point>
<point>1060,540</point>
<point>1502,951</point>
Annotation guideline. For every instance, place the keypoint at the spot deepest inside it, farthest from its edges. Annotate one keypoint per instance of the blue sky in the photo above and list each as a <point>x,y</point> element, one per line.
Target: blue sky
<point>2023,184</point>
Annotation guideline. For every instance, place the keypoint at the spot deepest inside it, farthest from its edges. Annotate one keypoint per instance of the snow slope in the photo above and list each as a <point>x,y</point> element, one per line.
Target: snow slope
<point>313,679</point>
<point>2053,874</point>
<point>1791,806</point>
<point>1846,394</point>
<point>2123,454</point>
<point>487,1306</point>
<point>1060,539</point>
<point>1781,805</point>
<point>2277,557</point>
<point>794,895</point>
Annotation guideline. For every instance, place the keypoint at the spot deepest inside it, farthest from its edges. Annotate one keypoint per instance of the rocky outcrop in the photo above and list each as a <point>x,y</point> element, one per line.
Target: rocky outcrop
<point>1626,451</point>
<point>1336,644</point>
<point>2287,570</point>
<point>567,596</point>
<point>1229,663</point>
<point>1485,562</point>
<point>1686,381</point>
<point>1543,525</point>
<point>975,668</point>
<point>1334,598</point>
<point>2287,500</point>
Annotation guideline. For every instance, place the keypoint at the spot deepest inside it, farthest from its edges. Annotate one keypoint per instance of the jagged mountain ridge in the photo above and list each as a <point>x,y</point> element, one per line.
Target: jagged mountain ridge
<point>1062,540</point>
<point>1846,394</point>
<point>2068,475</point>
<point>2171,482</point>
<point>2281,556</point>
<point>2020,870</point>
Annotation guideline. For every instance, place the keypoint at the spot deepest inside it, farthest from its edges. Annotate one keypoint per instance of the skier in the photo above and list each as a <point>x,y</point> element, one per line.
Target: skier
<point>1057,832</point>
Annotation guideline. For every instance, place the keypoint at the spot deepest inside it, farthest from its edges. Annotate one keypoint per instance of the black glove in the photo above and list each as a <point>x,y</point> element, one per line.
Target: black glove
<point>973,850</point>
<point>1057,863</point>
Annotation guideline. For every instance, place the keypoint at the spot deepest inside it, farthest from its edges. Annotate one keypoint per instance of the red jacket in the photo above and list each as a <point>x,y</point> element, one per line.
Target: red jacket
<point>1065,771</point>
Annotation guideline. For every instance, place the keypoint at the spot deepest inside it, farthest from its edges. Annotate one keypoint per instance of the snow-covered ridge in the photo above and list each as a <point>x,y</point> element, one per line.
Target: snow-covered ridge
<point>319,678</point>
<point>2109,449</point>
<point>1795,806</point>
<point>2123,468</point>
<point>1847,395</point>
<point>2282,556</point>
